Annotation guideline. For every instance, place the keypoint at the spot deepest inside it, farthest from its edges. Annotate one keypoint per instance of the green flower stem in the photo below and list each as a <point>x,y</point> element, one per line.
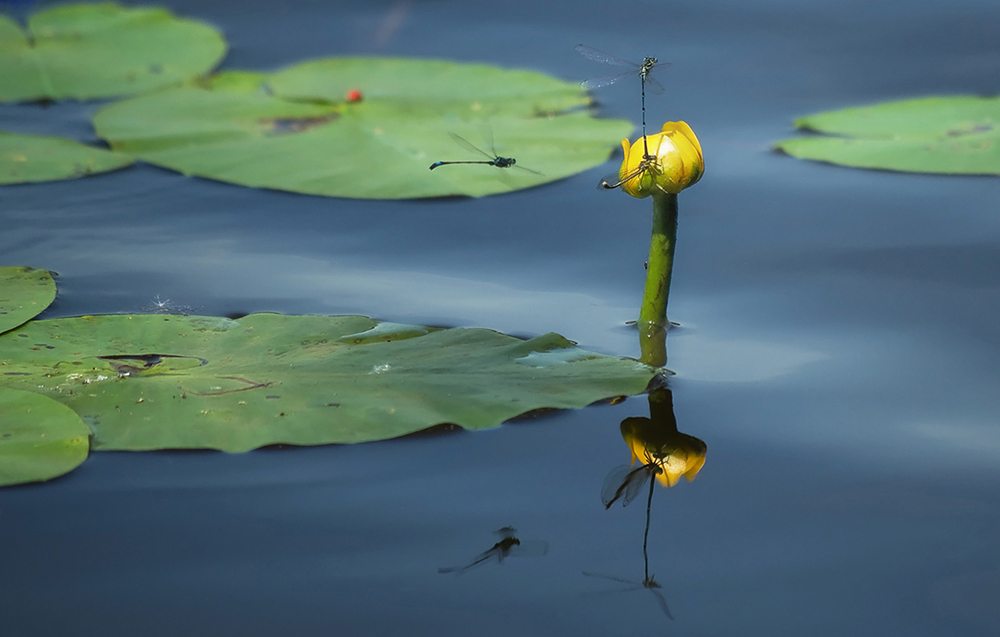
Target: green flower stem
<point>653,313</point>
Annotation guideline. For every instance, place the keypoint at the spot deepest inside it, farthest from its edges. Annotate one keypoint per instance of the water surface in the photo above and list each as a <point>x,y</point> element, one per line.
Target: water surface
<point>837,352</point>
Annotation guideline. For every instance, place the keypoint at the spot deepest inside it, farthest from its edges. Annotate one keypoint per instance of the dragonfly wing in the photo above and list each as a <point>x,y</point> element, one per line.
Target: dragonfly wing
<point>534,172</point>
<point>653,85</point>
<point>591,53</point>
<point>635,481</point>
<point>487,132</point>
<point>663,602</point>
<point>485,556</point>
<point>610,577</point>
<point>614,484</point>
<point>598,82</point>
<point>529,548</point>
<point>461,141</point>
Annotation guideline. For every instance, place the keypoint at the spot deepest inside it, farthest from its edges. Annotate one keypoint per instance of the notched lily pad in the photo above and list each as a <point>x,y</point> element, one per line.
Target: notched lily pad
<point>91,51</point>
<point>163,381</point>
<point>34,158</point>
<point>24,294</point>
<point>301,130</point>
<point>945,135</point>
<point>40,438</point>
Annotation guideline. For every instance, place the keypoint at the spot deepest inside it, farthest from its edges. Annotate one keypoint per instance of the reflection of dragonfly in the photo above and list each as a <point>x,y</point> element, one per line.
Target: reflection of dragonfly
<point>508,546</point>
<point>648,583</point>
<point>625,481</point>
<point>642,70</point>
<point>492,159</point>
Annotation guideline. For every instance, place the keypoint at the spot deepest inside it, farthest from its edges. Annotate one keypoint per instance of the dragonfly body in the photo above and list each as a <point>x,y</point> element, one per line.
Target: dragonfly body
<point>645,68</point>
<point>615,180</point>
<point>499,162</point>
<point>493,160</point>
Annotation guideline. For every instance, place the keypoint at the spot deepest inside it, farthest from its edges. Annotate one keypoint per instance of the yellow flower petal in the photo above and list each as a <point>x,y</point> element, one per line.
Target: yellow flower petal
<point>674,161</point>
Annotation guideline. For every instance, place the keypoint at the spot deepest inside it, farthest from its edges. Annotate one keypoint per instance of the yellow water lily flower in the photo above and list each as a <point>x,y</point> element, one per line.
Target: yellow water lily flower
<point>655,441</point>
<point>679,455</point>
<point>674,161</point>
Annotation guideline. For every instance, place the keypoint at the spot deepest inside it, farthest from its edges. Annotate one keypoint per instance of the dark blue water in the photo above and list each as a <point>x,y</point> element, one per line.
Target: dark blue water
<point>837,353</point>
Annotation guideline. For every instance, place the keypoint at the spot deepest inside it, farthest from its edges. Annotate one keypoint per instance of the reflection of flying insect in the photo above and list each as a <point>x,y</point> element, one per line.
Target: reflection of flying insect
<point>508,546</point>
<point>649,584</point>
<point>625,481</point>
<point>666,455</point>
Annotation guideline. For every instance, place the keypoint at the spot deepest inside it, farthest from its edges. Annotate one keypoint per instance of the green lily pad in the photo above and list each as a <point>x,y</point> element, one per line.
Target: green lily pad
<point>33,158</point>
<point>297,130</point>
<point>40,438</point>
<point>161,381</point>
<point>24,294</point>
<point>945,135</point>
<point>91,51</point>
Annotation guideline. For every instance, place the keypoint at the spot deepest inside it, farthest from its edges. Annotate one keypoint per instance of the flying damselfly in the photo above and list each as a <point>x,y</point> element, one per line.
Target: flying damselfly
<point>643,70</point>
<point>491,159</point>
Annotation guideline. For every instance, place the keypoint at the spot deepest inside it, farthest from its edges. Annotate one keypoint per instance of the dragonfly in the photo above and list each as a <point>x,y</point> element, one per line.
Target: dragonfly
<point>508,546</point>
<point>624,482</point>
<point>643,70</point>
<point>491,159</point>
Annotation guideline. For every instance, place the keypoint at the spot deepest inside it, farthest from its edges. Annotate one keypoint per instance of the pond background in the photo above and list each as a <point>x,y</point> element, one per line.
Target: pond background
<point>837,351</point>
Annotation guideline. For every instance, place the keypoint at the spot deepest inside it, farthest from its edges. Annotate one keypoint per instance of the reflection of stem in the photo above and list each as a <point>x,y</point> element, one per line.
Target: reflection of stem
<point>661,410</point>
<point>653,313</point>
<point>645,536</point>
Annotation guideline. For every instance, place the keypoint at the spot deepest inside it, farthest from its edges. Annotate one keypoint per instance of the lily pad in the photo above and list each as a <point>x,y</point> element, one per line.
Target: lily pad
<point>945,135</point>
<point>24,294</point>
<point>33,158</point>
<point>163,381</point>
<point>40,438</point>
<point>367,128</point>
<point>90,51</point>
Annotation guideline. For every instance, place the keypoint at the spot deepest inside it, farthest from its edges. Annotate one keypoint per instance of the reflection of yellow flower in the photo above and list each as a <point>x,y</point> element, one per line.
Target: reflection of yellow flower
<point>674,162</point>
<point>675,453</point>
